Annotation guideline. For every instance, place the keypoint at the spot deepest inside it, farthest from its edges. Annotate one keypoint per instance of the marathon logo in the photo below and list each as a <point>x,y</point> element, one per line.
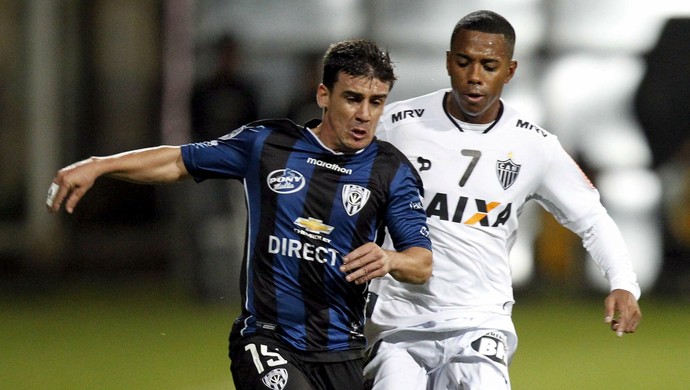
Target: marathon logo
<point>333,166</point>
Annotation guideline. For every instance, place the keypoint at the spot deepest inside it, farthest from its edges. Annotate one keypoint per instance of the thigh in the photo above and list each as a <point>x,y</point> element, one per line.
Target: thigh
<point>480,363</point>
<point>477,374</point>
<point>346,375</point>
<point>393,368</point>
<point>259,363</point>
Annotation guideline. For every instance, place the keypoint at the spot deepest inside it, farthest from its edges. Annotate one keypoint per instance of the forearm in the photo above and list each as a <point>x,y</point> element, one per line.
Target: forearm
<point>412,265</point>
<point>159,165</point>
<point>607,248</point>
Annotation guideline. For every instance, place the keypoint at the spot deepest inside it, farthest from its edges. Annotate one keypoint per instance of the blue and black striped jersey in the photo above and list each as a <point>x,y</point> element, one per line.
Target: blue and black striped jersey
<point>307,207</point>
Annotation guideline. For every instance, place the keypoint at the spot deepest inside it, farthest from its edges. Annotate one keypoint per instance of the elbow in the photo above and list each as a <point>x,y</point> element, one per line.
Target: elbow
<point>420,271</point>
<point>424,272</point>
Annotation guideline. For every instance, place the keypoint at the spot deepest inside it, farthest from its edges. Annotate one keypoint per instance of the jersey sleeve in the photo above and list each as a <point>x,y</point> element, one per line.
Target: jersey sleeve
<point>224,158</point>
<point>607,248</point>
<point>568,194</point>
<point>405,215</point>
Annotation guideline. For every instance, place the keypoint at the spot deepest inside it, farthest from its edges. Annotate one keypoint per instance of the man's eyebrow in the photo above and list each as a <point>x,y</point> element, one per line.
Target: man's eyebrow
<point>482,60</point>
<point>361,95</point>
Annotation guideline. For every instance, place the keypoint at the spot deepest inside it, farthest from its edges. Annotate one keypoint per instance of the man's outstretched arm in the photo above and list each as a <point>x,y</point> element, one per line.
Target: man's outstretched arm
<point>157,165</point>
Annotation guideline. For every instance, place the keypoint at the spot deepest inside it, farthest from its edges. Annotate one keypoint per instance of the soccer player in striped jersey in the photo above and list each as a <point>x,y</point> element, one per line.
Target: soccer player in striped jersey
<point>481,161</point>
<point>319,197</point>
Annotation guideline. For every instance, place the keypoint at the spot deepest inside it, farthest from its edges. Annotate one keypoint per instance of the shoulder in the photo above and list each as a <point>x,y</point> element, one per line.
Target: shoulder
<point>426,108</point>
<point>392,156</point>
<point>397,109</point>
<point>387,148</point>
<point>280,124</point>
<point>519,123</point>
<point>264,128</point>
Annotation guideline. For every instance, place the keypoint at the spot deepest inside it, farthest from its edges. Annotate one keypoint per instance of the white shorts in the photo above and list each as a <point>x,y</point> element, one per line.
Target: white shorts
<point>467,359</point>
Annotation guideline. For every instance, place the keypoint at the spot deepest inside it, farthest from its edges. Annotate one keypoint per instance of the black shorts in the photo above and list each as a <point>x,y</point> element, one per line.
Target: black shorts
<point>259,362</point>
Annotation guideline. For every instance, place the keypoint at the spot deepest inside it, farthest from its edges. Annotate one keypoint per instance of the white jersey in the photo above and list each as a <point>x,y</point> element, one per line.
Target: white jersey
<point>475,185</point>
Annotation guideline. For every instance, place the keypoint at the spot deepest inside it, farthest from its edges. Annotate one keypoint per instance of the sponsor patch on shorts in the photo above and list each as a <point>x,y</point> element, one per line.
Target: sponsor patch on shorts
<point>493,346</point>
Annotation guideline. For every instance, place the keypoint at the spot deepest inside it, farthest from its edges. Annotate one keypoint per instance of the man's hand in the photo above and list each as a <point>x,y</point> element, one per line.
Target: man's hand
<point>69,185</point>
<point>622,312</point>
<point>156,165</point>
<point>367,262</point>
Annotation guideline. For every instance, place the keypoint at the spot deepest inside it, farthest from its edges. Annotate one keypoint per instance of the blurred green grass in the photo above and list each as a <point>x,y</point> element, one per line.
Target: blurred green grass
<point>148,334</point>
<point>137,334</point>
<point>564,344</point>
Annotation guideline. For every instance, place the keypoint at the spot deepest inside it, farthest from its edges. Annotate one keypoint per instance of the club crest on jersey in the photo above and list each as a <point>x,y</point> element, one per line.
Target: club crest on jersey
<point>276,379</point>
<point>507,171</point>
<point>354,198</point>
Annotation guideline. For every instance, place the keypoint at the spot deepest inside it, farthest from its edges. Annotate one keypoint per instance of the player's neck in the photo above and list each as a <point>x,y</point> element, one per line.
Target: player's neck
<point>480,122</point>
<point>472,127</point>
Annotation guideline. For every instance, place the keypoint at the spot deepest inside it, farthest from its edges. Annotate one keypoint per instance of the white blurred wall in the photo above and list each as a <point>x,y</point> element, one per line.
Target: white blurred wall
<point>579,64</point>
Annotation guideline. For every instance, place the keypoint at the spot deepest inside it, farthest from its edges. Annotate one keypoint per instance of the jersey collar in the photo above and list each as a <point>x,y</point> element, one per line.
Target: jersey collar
<point>457,125</point>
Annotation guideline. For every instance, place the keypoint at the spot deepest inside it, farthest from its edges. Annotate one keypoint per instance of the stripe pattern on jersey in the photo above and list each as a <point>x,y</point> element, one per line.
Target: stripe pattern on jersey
<point>292,284</point>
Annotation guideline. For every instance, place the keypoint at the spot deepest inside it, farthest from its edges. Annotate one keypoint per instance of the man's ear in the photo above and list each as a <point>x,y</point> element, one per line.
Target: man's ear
<point>448,62</point>
<point>511,70</point>
<point>322,96</point>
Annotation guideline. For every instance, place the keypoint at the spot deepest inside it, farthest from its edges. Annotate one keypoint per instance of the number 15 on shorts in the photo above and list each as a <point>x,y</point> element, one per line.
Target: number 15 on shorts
<point>271,359</point>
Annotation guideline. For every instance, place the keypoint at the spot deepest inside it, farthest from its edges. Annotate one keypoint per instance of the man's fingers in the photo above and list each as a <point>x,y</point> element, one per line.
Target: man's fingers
<point>56,195</point>
<point>73,196</point>
<point>65,193</point>
<point>362,275</point>
<point>364,272</point>
<point>628,323</point>
<point>52,193</point>
<point>623,325</point>
<point>609,309</point>
<point>621,312</point>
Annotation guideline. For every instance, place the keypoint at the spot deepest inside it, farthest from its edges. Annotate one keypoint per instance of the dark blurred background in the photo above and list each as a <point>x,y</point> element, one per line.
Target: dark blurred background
<point>81,78</point>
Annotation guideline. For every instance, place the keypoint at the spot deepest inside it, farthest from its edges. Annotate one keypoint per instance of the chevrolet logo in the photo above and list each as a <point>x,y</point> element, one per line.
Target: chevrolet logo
<point>313,225</point>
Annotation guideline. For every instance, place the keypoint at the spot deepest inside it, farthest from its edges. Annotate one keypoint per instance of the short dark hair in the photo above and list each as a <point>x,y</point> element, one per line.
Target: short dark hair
<point>487,22</point>
<point>357,57</point>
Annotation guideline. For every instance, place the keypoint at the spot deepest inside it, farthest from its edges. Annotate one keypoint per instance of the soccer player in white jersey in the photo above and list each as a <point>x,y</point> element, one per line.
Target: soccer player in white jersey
<point>480,161</point>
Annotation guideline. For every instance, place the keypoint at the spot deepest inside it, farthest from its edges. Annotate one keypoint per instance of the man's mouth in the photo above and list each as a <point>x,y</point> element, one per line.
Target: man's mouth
<point>473,97</point>
<point>359,133</point>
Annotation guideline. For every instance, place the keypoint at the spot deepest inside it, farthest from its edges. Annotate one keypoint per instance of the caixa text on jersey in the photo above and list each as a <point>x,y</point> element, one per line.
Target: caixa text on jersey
<point>477,215</point>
